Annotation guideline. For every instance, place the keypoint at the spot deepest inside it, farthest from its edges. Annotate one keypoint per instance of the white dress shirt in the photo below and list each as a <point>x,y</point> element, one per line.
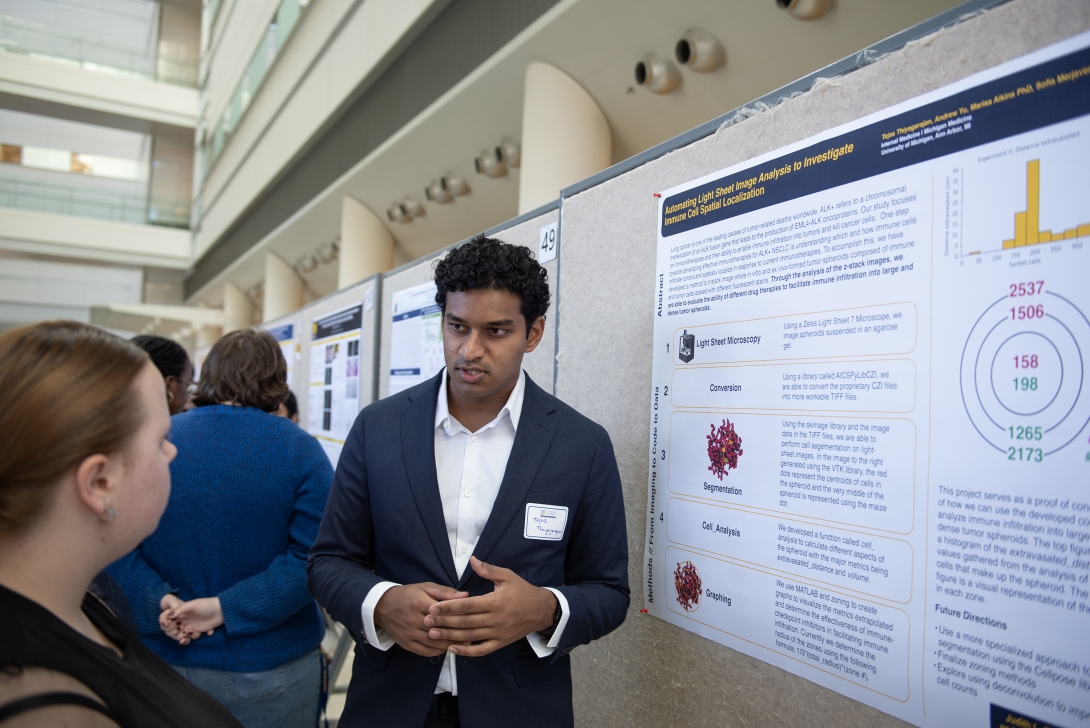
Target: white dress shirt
<point>470,468</point>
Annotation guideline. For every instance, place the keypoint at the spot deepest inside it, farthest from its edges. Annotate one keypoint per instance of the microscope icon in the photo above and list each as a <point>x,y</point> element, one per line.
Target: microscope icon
<point>686,346</point>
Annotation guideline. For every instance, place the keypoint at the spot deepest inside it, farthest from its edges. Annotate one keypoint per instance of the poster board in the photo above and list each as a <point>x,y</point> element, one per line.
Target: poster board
<point>337,362</point>
<point>409,350</point>
<point>868,403</point>
<point>609,282</point>
<point>199,355</point>
<point>333,384</point>
<point>288,333</point>
<point>416,337</point>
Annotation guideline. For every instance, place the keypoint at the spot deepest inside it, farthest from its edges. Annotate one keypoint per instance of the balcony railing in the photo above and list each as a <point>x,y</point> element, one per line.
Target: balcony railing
<point>33,39</point>
<point>288,13</point>
<point>63,200</point>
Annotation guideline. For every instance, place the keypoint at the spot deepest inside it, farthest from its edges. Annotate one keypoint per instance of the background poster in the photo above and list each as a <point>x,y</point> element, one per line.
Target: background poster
<point>334,383</point>
<point>416,338</point>
<point>199,355</point>
<point>870,444</point>
<point>285,336</point>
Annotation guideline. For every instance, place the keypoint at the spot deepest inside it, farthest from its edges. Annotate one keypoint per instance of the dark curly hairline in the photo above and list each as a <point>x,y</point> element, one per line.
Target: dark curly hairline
<point>486,263</point>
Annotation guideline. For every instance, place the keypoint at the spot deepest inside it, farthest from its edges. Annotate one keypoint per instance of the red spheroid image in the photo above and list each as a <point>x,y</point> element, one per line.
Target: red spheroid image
<point>724,448</point>
<point>687,583</point>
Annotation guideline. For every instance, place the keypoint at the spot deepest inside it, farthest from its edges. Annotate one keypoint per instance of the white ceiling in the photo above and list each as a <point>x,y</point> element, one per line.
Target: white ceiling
<point>597,42</point>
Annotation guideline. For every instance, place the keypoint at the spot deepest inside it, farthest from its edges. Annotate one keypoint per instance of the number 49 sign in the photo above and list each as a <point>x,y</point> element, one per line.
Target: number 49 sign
<point>546,249</point>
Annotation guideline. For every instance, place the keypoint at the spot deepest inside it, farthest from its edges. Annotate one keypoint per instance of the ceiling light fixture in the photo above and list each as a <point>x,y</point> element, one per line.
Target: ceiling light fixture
<point>397,212</point>
<point>456,186</point>
<point>446,189</point>
<point>496,161</point>
<point>511,153</point>
<point>404,211</point>
<point>328,252</point>
<point>658,74</point>
<point>805,9</point>
<point>324,254</point>
<point>490,163</point>
<point>700,51</point>
<point>414,208</point>
<point>438,191</point>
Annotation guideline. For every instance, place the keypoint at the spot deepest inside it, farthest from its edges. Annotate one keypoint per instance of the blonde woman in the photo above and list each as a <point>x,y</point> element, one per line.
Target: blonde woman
<point>84,478</point>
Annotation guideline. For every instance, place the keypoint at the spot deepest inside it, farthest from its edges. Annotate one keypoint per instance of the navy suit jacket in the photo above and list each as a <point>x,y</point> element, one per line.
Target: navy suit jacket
<point>384,522</point>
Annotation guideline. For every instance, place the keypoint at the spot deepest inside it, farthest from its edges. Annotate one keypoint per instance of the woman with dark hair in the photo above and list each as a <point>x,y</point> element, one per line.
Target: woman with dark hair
<point>173,363</point>
<point>84,476</point>
<point>220,589</point>
<point>289,408</point>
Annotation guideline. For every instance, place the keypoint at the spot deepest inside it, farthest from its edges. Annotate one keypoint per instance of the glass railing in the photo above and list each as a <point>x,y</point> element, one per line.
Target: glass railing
<point>21,36</point>
<point>102,205</point>
<point>277,33</point>
<point>213,9</point>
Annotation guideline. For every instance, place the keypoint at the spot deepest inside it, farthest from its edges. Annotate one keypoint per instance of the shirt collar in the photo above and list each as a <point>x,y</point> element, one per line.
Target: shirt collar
<point>513,408</point>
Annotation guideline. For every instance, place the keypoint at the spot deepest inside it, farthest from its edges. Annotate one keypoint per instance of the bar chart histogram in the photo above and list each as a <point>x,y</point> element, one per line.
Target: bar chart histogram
<point>1027,224</point>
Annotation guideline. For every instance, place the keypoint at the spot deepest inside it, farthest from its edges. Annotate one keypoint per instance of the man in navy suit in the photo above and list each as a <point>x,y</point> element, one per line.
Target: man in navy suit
<point>475,531</point>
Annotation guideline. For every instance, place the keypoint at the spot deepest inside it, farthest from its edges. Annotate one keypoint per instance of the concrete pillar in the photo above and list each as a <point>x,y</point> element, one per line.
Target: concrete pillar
<point>367,247</point>
<point>283,289</point>
<point>238,311</point>
<point>208,335</point>
<point>565,136</point>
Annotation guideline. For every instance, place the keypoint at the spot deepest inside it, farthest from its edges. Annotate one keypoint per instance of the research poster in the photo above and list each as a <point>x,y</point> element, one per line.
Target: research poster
<point>285,337</point>
<point>334,391</point>
<point>199,356</point>
<point>416,337</point>
<point>870,452</point>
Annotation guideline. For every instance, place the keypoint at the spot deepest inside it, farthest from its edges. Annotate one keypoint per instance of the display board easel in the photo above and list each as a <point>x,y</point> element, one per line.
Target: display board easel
<point>288,332</point>
<point>649,672</point>
<point>527,231</point>
<point>363,298</point>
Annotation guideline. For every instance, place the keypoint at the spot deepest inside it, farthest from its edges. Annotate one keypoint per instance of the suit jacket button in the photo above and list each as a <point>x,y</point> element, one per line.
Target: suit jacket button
<point>436,660</point>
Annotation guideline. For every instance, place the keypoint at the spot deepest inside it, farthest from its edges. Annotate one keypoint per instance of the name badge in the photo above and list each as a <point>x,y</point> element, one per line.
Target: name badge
<point>545,523</point>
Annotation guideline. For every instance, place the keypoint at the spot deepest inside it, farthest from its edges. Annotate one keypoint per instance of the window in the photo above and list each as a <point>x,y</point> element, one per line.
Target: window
<point>11,153</point>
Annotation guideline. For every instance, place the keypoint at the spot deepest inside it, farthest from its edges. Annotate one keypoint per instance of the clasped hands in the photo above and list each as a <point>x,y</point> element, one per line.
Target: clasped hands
<point>187,621</point>
<point>430,619</point>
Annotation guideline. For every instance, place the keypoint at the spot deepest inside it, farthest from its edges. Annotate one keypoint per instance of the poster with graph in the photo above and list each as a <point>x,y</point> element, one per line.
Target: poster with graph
<point>871,403</point>
<point>334,385</point>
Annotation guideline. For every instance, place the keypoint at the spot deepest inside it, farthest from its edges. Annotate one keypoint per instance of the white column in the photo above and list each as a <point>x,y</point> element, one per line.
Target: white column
<point>208,335</point>
<point>238,311</point>
<point>283,289</point>
<point>367,247</point>
<point>565,135</point>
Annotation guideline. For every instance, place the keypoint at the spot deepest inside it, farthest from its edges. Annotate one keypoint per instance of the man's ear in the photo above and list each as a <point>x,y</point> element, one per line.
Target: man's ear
<point>97,484</point>
<point>534,333</point>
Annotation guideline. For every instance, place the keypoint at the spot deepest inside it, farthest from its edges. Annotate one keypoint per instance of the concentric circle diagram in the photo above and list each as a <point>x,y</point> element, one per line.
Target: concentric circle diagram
<point>1024,375</point>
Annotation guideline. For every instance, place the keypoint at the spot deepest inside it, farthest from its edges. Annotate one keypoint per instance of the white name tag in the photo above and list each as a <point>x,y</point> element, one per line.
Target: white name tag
<point>545,523</point>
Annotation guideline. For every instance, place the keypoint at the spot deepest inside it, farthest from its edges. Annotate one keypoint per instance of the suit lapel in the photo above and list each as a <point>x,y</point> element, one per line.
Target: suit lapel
<point>418,450</point>
<point>532,440</point>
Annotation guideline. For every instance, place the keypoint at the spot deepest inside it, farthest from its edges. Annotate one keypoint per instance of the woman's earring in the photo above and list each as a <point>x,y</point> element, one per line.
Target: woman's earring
<point>170,396</point>
<point>107,517</point>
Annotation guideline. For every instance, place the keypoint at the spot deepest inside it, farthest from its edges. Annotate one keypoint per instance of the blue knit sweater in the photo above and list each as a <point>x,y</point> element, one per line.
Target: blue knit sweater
<point>248,491</point>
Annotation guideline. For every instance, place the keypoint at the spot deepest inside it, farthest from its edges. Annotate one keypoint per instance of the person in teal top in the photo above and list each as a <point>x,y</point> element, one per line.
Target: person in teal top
<point>219,590</point>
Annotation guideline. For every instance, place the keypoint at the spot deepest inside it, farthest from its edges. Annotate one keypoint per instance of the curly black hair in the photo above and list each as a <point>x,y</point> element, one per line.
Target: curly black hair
<point>486,263</point>
<point>168,356</point>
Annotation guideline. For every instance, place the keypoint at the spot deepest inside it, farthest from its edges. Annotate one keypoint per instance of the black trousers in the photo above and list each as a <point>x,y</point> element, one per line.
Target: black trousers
<point>443,712</point>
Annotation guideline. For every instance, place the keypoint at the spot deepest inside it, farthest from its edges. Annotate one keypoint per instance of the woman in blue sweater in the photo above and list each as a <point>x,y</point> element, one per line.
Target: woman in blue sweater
<point>220,589</point>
